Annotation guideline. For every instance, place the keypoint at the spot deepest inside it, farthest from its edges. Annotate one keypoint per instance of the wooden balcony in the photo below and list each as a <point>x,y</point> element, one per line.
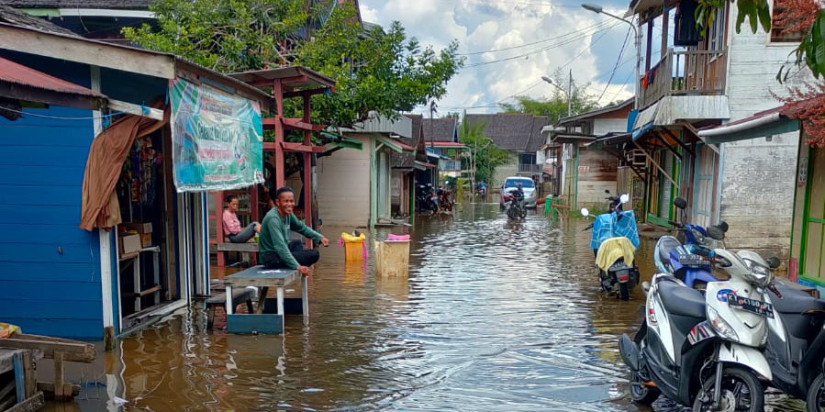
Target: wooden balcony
<point>691,72</point>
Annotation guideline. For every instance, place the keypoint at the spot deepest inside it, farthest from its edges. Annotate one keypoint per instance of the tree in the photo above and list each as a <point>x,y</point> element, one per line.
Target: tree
<point>555,107</point>
<point>485,156</point>
<point>374,71</point>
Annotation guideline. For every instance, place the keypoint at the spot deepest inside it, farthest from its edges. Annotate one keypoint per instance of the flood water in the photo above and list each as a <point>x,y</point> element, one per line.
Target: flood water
<point>492,316</point>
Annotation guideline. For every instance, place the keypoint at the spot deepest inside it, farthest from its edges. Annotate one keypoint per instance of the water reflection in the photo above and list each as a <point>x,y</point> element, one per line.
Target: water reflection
<point>493,316</point>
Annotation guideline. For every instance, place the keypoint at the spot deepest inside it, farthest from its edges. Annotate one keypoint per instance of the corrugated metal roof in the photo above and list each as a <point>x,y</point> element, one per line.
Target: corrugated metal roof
<point>11,72</point>
<point>439,130</point>
<point>18,18</point>
<point>83,4</point>
<point>516,132</point>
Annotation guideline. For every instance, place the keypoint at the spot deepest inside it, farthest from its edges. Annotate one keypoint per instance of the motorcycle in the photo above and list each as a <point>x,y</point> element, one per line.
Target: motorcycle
<point>444,202</point>
<point>426,198</point>
<point>703,350</point>
<point>683,255</point>
<point>616,202</point>
<point>614,241</point>
<point>516,210</point>
<point>796,344</point>
<point>481,190</point>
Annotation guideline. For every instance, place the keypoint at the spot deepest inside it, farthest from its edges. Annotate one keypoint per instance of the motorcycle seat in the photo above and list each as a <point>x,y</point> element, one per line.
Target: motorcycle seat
<point>682,300</point>
<point>795,300</point>
<point>665,245</point>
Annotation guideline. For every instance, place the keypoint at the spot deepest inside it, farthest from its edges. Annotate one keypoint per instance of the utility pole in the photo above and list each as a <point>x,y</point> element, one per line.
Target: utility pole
<point>570,94</point>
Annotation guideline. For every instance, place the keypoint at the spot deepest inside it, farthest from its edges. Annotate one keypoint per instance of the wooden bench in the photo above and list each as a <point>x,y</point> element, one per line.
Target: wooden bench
<point>239,295</point>
<point>247,247</point>
<point>263,278</point>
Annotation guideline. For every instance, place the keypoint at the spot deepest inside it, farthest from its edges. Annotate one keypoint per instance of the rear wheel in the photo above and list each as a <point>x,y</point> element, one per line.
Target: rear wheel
<point>624,292</point>
<point>816,395</point>
<point>641,393</point>
<point>741,391</point>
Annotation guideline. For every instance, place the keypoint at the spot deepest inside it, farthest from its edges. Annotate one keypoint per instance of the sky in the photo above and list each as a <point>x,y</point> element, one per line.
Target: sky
<point>510,44</point>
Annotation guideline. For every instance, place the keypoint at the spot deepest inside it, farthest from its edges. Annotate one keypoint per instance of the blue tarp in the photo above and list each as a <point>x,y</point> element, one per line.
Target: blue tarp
<point>608,225</point>
<point>642,130</point>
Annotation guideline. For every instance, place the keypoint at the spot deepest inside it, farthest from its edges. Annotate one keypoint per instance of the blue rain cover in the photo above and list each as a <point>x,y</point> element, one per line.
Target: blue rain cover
<point>606,225</point>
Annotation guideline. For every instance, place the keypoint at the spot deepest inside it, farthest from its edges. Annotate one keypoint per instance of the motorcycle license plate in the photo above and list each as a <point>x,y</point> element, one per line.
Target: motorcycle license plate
<point>751,305</point>
<point>691,260</point>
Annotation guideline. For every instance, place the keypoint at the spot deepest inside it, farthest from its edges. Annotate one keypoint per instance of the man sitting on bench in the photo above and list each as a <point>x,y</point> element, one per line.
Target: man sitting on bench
<point>232,226</point>
<point>273,247</point>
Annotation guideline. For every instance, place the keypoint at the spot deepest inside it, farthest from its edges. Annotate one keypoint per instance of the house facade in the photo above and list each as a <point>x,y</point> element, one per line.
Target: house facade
<point>579,172</point>
<point>141,248</point>
<point>699,82</point>
<point>443,147</point>
<point>355,186</point>
<point>520,135</point>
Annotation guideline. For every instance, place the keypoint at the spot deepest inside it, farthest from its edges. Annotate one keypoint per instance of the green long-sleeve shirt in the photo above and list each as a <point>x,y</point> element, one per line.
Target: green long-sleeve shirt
<point>274,236</point>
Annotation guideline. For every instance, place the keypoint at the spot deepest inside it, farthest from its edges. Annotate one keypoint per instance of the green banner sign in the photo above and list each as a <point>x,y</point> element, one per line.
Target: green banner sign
<point>217,138</point>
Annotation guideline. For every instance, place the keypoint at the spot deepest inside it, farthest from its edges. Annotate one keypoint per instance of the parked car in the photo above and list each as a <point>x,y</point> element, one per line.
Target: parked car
<point>511,183</point>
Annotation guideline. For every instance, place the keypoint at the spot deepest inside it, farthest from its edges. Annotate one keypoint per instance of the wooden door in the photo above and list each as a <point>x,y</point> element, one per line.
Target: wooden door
<point>813,260</point>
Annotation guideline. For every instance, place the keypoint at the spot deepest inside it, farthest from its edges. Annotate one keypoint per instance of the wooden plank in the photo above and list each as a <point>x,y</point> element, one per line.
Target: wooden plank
<point>237,247</point>
<point>48,388</point>
<point>29,377</point>
<point>6,360</point>
<point>300,147</point>
<point>87,51</point>
<point>19,377</point>
<point>254,323</point>
<point>299,124</point>
<point>135,109</point>
<point>72,350</point>
<point>259,276</point>
<point>31,404</point>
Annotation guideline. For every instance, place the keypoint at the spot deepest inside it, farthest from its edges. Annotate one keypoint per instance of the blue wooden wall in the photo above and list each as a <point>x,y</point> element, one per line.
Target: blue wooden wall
<point>49,268</point>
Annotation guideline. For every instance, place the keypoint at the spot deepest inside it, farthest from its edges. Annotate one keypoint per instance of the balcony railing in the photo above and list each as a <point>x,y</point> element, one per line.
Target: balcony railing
<point>690,72</point>
<point>529,168</point>
<point>450,165</point>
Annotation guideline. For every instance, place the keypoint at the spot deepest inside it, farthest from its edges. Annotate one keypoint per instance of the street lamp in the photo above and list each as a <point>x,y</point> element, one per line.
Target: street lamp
<point>599,10</point>
<point>568,92</point>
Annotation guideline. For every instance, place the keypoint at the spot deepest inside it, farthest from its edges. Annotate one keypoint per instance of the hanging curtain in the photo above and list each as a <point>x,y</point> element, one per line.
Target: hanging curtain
<point>100,207</point>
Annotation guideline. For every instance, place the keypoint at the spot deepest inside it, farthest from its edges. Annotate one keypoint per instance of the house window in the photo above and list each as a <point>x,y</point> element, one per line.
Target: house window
<point>778,32</point>
<point>716,31</point>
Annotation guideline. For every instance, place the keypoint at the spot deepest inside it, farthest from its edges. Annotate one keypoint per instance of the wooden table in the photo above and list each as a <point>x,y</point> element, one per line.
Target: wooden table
<point>264,279</point>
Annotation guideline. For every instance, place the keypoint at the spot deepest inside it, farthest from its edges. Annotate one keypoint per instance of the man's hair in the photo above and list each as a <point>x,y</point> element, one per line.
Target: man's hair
<point>280,190</point>
<point>230,198</point>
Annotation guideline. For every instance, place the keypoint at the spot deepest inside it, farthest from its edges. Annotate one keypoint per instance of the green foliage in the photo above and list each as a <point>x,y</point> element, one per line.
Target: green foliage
<point>757,12</point>
<point>374,71</point>
<point>555,107</point>
<point>484,154</point>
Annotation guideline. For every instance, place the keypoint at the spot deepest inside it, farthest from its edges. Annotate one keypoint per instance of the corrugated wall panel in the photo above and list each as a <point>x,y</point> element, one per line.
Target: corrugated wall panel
<point>49,268</point>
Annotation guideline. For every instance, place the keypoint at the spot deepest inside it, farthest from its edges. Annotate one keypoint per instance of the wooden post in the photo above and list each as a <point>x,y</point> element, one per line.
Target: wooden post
<point>278,94</point>
<point>58,377</point>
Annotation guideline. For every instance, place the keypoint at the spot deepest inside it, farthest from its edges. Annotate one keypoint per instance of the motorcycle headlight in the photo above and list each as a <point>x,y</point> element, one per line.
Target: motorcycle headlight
<point>721,327</point>
<point>760,275</point>
<point>700,239</point>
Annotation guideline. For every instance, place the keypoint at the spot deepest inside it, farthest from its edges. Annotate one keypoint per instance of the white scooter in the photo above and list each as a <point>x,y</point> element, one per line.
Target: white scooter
<point>702,350</point>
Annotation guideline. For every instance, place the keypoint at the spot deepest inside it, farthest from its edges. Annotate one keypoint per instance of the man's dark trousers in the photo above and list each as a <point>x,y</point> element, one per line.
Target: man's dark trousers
<point>296,247</point>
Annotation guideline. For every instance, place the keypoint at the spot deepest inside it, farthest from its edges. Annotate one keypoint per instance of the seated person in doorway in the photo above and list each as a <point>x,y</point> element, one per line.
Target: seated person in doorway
<point>232,226</point>
<point>274,247</point>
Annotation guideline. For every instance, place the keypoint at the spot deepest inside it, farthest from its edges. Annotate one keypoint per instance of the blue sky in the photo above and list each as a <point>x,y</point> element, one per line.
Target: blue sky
<point>510,44</point>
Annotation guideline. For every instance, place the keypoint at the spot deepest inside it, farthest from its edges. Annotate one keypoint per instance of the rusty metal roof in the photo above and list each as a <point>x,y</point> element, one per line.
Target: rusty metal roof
<point>84,4</point>
<point>11,72</point>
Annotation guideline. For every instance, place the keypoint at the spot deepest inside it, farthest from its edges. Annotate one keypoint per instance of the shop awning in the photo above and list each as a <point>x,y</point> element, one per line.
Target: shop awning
<point>572,138</point>
<point>766,123</point>
<point>423,166</point>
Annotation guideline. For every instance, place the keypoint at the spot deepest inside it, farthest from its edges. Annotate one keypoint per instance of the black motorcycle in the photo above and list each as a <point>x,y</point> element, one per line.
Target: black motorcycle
<point>517,211</point>
<point>426,198</point>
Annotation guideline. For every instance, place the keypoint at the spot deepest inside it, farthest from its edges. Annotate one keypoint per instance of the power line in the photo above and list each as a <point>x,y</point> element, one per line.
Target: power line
<point>563,43</point>
<point>615,66</point>
<point>599,24</point>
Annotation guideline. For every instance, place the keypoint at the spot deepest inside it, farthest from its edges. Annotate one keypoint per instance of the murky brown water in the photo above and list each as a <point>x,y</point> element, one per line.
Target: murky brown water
<point>492,317</point>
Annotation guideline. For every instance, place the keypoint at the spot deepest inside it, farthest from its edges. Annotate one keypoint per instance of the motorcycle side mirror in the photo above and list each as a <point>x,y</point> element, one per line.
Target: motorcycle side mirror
<point>773,262</point>
<point>624,198</point>
<point>724,226</point>
<point>716,233</point>
<point>680,203</point>
<point>585,212</point>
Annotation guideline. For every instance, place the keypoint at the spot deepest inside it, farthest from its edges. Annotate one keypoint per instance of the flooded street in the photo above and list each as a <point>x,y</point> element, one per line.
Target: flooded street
<point>493,316</point>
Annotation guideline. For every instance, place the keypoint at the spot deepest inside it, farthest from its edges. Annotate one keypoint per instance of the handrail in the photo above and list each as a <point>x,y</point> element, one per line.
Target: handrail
<point>700,72</point>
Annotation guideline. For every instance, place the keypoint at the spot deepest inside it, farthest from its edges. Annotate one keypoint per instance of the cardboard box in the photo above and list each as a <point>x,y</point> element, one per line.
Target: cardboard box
<point>129,245</point>
<point>140,227</point>
<point>146,239</point>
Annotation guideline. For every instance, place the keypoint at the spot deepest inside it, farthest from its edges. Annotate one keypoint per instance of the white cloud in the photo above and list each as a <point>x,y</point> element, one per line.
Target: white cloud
<point>523,40</point>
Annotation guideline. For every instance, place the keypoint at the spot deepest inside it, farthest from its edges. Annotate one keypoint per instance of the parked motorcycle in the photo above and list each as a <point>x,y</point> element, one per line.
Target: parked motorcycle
<point>683,255</point>
<point>614,241</point>
<point>426,198</point>
<point>796,344</point>
<point>703,350</point>
<point>445,203</point>
<point>616,202</point>
<point>516,210</point>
